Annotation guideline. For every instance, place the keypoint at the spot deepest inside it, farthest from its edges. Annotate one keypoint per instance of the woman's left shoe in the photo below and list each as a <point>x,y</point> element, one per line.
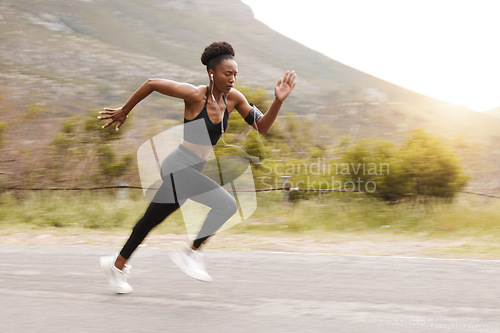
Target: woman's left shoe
<point>117,278</point>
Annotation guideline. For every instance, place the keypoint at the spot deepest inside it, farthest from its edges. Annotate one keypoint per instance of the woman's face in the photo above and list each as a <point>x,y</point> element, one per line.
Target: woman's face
<point>225,75</point>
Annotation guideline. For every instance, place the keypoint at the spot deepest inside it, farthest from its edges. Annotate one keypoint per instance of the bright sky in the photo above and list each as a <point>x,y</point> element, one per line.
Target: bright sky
<point>447,49</point>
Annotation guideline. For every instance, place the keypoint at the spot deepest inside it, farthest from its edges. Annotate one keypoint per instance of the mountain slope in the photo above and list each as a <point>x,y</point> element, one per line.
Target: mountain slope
<point>494,113</point>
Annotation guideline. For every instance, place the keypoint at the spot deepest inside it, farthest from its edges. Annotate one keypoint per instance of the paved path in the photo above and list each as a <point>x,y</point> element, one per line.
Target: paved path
<point>61,289</point>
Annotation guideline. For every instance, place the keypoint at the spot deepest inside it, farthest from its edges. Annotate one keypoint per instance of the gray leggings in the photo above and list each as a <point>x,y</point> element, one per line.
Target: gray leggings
<point>182,176</point>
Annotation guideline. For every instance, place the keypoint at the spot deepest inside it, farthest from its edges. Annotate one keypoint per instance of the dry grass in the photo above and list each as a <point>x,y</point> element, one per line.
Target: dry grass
<point>340,223</point>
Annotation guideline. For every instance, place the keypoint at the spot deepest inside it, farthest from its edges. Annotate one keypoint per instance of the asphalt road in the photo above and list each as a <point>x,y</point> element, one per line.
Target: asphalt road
<point>61,289</point>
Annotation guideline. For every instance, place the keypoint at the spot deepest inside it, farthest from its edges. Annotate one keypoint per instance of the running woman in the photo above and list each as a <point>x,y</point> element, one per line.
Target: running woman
<point>181,171</point>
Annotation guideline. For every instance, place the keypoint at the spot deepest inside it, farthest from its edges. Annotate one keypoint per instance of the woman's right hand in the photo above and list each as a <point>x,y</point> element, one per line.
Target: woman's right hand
<point>116,115</point>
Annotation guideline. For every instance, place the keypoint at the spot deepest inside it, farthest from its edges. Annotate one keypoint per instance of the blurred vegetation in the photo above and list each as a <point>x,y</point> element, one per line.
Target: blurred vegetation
<point>424,166</point>
<point>86,209</point>
<point>3,127</point>
<point>466,217</point>
<point>82,153</point>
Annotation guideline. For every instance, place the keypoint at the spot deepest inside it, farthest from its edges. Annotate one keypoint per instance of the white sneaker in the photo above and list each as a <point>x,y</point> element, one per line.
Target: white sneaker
<point>116,278</point>
<point>192,263</point>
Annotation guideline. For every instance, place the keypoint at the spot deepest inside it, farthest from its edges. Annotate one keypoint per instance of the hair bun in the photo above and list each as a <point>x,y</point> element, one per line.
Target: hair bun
<point>215,50</point>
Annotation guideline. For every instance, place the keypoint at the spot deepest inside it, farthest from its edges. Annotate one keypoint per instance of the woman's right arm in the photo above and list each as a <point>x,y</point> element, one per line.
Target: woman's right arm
<point>171,88</point>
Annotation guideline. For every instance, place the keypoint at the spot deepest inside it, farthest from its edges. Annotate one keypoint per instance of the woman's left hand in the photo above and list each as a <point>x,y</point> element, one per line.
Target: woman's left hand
<point>285,85</point>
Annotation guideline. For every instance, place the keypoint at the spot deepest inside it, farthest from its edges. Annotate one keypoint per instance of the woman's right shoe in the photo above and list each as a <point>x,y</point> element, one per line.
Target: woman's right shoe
<point>116,278</point>
<point>192,263</point>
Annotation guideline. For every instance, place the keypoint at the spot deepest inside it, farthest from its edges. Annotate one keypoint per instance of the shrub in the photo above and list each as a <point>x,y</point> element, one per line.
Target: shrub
<point>423,166</point>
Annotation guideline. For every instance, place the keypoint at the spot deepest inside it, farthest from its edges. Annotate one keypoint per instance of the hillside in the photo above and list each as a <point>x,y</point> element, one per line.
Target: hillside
<point>63,58</point>
<point>494,113</point>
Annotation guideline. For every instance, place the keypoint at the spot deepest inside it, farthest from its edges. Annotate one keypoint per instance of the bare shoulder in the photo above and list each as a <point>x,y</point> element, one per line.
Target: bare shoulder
<point>195,101</point>
<point>235,95</point>
<point>196,94</point>
<point>236,98</point>
<point>192,90</point>
<point>202,89</point>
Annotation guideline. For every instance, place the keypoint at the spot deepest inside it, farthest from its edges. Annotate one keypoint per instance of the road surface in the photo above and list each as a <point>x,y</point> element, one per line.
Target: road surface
<point>61,289</point>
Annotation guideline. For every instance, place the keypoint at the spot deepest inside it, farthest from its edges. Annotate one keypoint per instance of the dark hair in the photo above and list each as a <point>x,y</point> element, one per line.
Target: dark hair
<point>215,53</point>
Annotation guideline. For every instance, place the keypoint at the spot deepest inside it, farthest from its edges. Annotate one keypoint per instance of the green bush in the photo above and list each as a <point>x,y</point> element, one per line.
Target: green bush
<point>422,167</point>
<point>108,161</point>
<point>433,167</point>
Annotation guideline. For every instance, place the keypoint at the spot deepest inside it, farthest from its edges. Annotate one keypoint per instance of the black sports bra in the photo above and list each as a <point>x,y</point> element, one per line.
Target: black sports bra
<point>197,134</point>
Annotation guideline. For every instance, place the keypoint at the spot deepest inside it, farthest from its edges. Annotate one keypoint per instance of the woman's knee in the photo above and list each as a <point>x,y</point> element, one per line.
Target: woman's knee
<point>230,206</point>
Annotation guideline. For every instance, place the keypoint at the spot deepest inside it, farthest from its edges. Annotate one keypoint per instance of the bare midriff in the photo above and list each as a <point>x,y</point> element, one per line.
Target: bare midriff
<point>201,151</point>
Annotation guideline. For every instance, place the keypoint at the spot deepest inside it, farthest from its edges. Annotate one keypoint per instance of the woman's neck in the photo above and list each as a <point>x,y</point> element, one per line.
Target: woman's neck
<point>216,94</point>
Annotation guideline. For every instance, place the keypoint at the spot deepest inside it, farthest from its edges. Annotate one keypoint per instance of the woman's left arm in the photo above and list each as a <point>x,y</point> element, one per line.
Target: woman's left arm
<point>283,88</point>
